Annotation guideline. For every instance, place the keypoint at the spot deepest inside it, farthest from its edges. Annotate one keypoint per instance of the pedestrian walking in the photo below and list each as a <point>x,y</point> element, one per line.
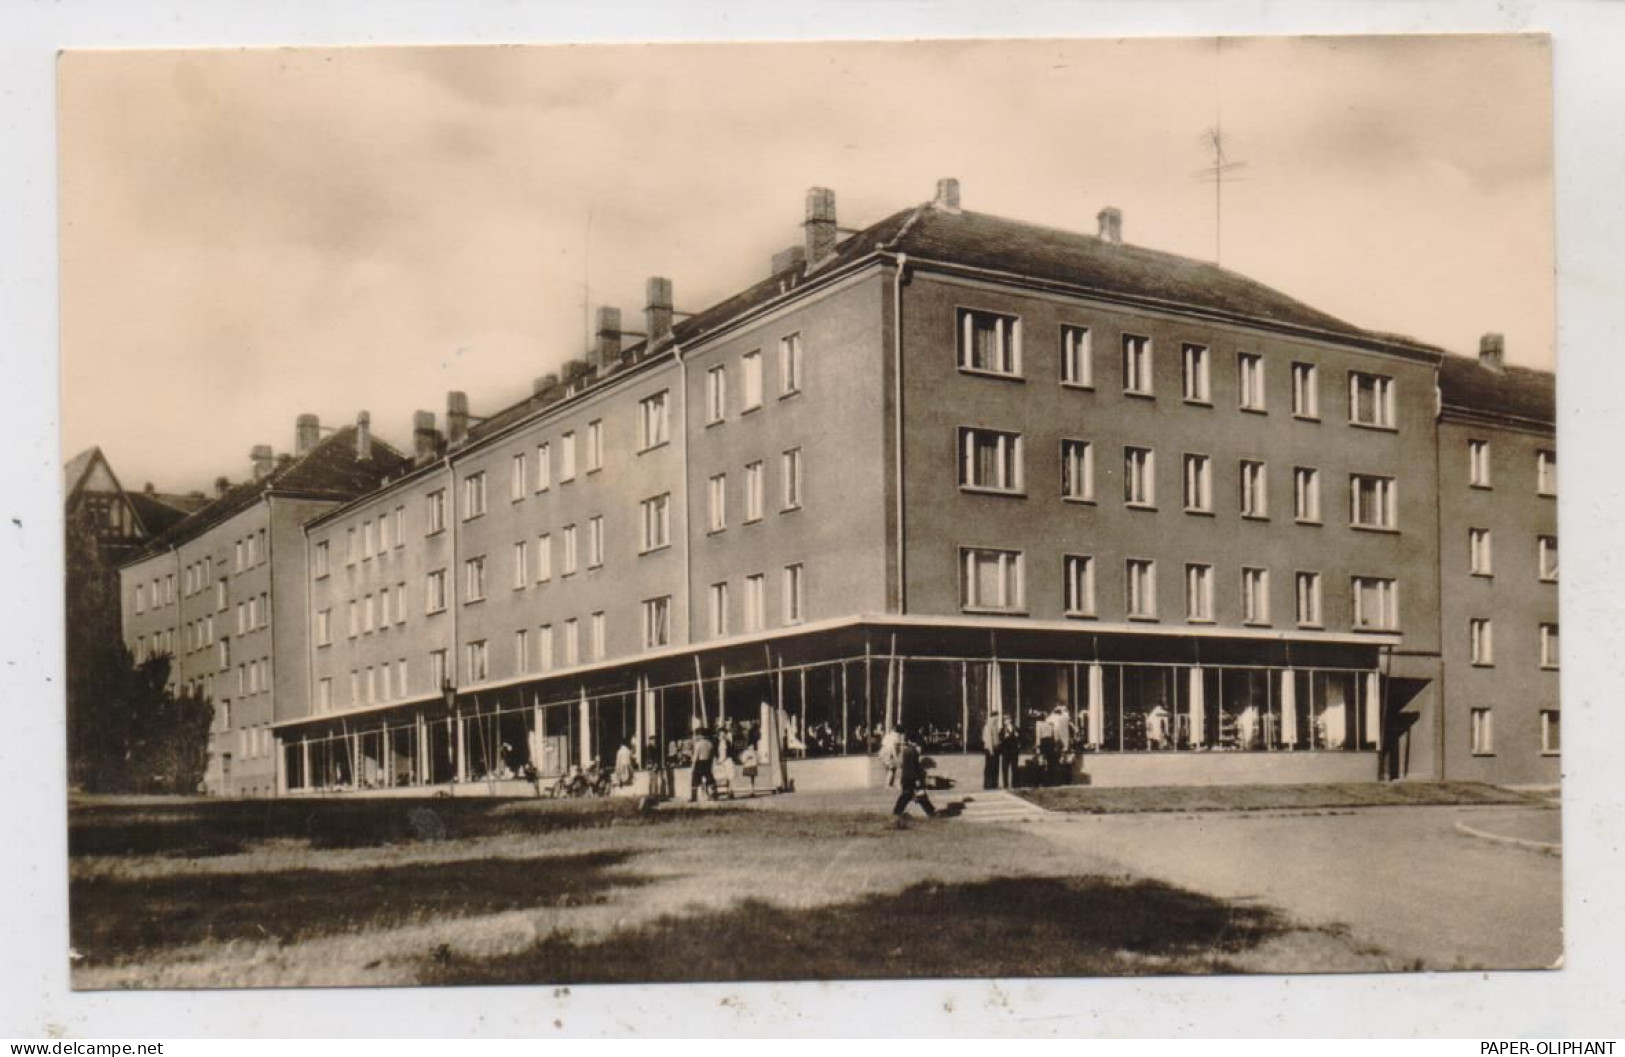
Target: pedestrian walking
<point>705,754</point>
<point>623,764</point>
<point>890,752</point>
<point>912,774</point>
<point>1009,752</point>
<point>748,764</point>
<point>990,752</point>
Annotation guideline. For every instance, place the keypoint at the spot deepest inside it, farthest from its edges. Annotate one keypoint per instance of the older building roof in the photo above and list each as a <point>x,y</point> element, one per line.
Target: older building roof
<point>1520,394</point>
<point>329,470</point>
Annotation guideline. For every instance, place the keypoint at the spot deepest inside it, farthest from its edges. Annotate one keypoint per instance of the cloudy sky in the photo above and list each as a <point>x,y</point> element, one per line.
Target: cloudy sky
<point>248,235</point>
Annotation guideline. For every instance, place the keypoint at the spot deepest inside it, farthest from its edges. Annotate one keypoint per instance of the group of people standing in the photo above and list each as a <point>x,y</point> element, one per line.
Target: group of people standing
<point>1053,738</point>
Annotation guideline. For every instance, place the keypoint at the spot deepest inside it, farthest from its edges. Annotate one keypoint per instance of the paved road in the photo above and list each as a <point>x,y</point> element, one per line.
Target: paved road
<point>1400,878</point>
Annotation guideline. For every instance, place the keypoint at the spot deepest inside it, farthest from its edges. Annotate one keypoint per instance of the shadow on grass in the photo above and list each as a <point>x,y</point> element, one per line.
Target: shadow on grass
<point>112,919</point>
<point>201,829</point>
<point>1127,800</point>
<point>1044,926</point>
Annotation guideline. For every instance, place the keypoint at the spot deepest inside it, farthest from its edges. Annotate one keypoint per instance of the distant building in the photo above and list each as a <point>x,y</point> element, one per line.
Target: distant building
<point>211,592</point>
<point>950,465</point>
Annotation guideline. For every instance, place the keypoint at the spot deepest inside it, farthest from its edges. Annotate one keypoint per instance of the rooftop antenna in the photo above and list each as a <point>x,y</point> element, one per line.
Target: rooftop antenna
<point>1223,170</point>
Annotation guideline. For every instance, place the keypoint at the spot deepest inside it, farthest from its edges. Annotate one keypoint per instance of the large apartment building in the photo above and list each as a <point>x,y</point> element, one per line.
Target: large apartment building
<point>948,466</point>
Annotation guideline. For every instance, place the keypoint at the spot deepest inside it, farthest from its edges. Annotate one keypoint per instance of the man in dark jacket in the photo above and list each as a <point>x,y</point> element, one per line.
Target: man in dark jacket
<point>705,753</point>
<point>912,774</point>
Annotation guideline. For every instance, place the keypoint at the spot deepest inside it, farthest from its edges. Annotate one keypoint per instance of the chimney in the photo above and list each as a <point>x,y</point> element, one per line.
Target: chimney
<point>307,431</point>
<point>425,438</point>
<point>820,224</point>
<point>222,485</point>
<point>657,310</point>
<point>148,489</point>
<point>363,436</point>
<point>543,384</point>
<point>1111,224</point>
<point>947,198</point>
<point>264,461</point>
<point>786,259</point>
<point>607,349</point>
<point>1492,352</point>
<point>456,418</point>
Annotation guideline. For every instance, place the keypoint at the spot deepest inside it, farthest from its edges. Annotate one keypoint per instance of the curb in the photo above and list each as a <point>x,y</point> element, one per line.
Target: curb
<point>1544,848</point>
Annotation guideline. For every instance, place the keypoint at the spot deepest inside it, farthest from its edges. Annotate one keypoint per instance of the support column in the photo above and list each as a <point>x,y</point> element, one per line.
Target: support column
<point>304,760</point>
<point>462,746</point>
<point>584,730</point>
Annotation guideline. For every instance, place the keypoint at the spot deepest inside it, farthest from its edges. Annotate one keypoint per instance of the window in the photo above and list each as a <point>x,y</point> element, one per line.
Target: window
<point>717,509</point>
<point>439,673</point>
<point>1548,646</point>
<point>1546,472</point>
<point>569,562</point>
<point>1481,641</point>
<point>1546,557</point>
<point>1198,484</point>
<point>544,557</point>
<point>656,622</point>
<point>1371,400</point>
<point>1478,463</point>
<point>370,620</point>
<point>794,602</point>
<point>1141,588</point>
<point>1478,552</point>
<point>1078,471</point>
<point>372,685</point>
<point>1139,477</point>
<point>400,527</point>
<point>475,662</point>
<point>521,565</point>
<point>750,366</point>
<point>656,522</point>
<point>544,467</point>
<point>519,482</point>
<point>1250,376</point>
<point>1483,731</point>
<point>220,601</point>
<point>1254,490</point>
<point>1255,596</point>
<point>1371,501</point>
<point>544,648</point>
<point>474,579</point>
<point>567,457</point>
<point>369,540</point>
<point>595,541</point>
<point>400,603</point>
<point>351,551</point>
<point>1078,585</point>
<point>1197,387</point>
<point>383,535</point>
<point>719,610</point>
<point>437,511</point>
<point>755,602</point>
<point>992,580</point>
<point>598,636</point>
<point>716,395</point>
<point>473,495</point>
<point>595,446</point>
<point>140,597</point>
<point>1136,364</point>
<point>790,365</point>
<point>237,564</point>
<point>355,684</point>
<point>225,653</point>
<point>324,695</point>
<point>989,342</point>
<point>753,492</point>
<point>434,590</point>
<point>355,618</point>
<point>790,471</point>
<point>1077,357</point>
<point>1306,495</point>
<point>1199,593</point>
<point>1551,732</point>
<point>320,561</point>
<point>1376,604</point>
<point>653,421</point>
<point>1309,600</point>
<point>989,460</point>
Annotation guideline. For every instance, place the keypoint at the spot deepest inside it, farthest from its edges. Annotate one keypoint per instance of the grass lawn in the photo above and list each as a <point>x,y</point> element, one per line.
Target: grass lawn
<point>379,892</point>
<point>1113,801</point>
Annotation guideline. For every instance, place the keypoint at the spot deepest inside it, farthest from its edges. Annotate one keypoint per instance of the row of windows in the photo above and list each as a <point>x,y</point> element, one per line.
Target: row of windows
<point>991,343</point>
<point>792,596</point>
<point>1478,468</point>
<point>1481,643</point>
<point>790,491</point>
<point>375,612</point>
<point>255,743</point>
<point>196,577</point>
<point>375,538</point>
<point>991,461</point>
<point>1482,731</point>
<point>1480,555</point>
<point>750,369</point>
<point>254,677</point>
<point>995,581</point>
<point>163,592</point>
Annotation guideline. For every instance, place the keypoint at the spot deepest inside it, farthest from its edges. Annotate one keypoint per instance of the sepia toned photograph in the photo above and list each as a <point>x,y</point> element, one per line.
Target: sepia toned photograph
<point>810,511</point>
